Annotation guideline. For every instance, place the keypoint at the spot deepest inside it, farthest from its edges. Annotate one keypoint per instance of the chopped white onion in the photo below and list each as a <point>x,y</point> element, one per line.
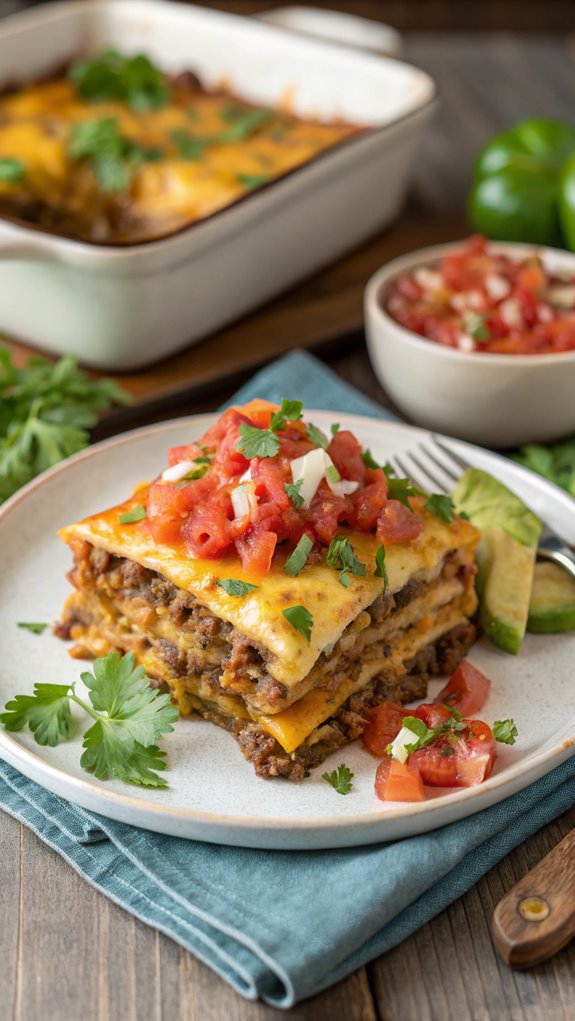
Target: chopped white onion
<point>563,297</point>
<point>312,468</point>
<point>400,744</point>
<point>497,287</point>
<point>247,476</point>
<point>466,343</point>
<point>178,471</point>
<point>428,279</point>
<point>245,501</point>
<point>544,314</point>
<point>510,312</point>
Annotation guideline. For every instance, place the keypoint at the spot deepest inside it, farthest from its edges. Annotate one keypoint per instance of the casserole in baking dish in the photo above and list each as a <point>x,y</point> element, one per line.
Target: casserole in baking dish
<point>123,307</point>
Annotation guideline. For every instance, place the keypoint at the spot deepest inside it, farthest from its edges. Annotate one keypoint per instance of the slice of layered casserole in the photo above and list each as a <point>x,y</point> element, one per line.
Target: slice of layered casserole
<point>278,582</point>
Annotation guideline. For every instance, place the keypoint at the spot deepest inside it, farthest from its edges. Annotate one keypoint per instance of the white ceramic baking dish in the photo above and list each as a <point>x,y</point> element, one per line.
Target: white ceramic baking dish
<point>123,308</point>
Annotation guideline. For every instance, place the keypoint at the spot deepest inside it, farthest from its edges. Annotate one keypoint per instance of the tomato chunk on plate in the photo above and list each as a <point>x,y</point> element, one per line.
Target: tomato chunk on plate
<point>384,725</point>
<point>398,781</point>
<point>466,690</point>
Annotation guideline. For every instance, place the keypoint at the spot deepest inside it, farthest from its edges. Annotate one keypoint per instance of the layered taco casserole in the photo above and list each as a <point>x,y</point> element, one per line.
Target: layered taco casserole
<point>277,581</point>
<point>112,150</point>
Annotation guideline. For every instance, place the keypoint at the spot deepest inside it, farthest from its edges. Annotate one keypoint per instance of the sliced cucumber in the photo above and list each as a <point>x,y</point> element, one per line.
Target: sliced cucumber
<point>552,606</point>
<point>504,583</point>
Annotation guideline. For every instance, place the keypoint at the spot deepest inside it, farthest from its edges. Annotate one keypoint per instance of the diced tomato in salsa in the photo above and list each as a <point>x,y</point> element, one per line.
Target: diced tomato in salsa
<point>477,300</point>
<point>205,509</point>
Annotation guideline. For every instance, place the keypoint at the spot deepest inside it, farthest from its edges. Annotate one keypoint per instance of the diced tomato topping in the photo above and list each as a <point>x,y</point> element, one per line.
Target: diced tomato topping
<point>466,690</point>
<point>204,512</point>
<point>486,302</point>
<point>397,523</point>
<point>459,760</point>
<point>383,727</point>
<point>432,715</point>
<point>398,781</point>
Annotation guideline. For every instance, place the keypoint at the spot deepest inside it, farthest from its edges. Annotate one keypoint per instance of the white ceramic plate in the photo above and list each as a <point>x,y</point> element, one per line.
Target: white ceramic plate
<point>214,794</point>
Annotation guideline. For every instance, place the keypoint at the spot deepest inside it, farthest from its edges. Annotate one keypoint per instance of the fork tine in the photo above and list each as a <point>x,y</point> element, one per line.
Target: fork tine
<point>433,478</point>
<point>448,471</point>
<point>459,461</point>
<point>405,469</point>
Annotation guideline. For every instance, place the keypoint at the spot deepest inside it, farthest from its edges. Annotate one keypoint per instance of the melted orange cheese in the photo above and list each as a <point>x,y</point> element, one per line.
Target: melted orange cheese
<point>36,123</point>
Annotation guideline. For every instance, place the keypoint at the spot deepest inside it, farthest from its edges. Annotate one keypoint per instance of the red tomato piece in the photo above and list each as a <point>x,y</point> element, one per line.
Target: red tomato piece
<point>398,781</point>
<point>397,523</point>
<point>369,501</point>
<point>383,727</point>
<point>461,760</point>
<point>345,452</point>
<point>432,715</point>
<point>466,690</point>
<point>256,550</point>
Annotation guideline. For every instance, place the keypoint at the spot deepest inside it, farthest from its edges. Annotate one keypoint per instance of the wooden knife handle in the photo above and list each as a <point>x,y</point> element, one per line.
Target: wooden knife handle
<point>537,917</point>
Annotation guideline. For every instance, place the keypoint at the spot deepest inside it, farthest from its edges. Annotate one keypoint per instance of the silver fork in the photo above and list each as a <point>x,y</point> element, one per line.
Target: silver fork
<point>433,462</point>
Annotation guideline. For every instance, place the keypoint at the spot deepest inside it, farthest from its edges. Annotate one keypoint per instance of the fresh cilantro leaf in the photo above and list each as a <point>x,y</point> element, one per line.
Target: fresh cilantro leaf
<point>293,491</point>
<point>296,561</point>
<point>188,147</point>
<point>244,126</point>
<point>334,428</point>
<point>505,731</point>
<point>112,76</point>
<point>332,474</point>
<point>300,619</point>
<point>199,472</point>
<point>46,409</point>
<point>380,566</point>
<point>256,442</point>
<point>442,506</point>
<point>476,326</point>
<point>368,460</point>
<point>317,437</point>
<point>111,155</point>
<point>202,460</point>
<point>341,557</point>
<point>11,170</point>
<point>402,489</point>
<point>235,587</point>
<point>446,751</point>
<point>289,411</point>
<point>340,779</point>
<point>252,181</point>
<point>46,712</point>
<point>137,513</point>
<point>36,629</point>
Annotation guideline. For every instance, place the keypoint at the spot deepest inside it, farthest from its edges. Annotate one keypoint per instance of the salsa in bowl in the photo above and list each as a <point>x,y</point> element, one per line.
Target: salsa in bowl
<point>478,340</point>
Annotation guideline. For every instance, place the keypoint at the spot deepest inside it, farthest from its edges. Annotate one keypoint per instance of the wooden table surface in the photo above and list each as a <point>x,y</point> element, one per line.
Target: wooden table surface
<point>68,954</point>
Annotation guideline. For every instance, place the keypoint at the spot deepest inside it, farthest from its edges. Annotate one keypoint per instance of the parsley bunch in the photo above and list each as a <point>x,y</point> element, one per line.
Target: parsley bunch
<point>129,717</point>
<point>46,409</point>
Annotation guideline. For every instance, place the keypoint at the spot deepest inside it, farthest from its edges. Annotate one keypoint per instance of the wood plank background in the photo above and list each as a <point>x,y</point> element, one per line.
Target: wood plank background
<point>68,954</point>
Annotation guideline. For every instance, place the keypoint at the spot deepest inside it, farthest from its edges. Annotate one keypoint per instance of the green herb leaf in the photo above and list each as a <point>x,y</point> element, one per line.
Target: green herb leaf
<point>137,513</point>
<point>235,587</point>
<point>300,619</point>
<point>332,474</point>
<point>256,442</point>
<point>112,76</point>
<point>197,473</point>
<point>317,437</point>
<point>297,560</point>
<point>111,155</point>
<point>368,460</point>
<point>505,731</point>
<point>476,326</point>
<point>46,409</point>
<point>121,744</point>
<point>340,779</point>
<point>188,147</point>
<point>293,491</point>
<point>335,427</point>
<point>11,170</point>
<point>46,712</point>
<point>36,629</point>
<point>380,567</point>
<point>402,490</point>
<point>556,463</point>
<point>252,181</point>
<point>341,557</point>
<point>289,411</point>
<point>442,506</point>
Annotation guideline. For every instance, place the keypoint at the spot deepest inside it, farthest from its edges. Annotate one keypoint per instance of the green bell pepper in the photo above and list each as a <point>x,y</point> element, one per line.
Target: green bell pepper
<point>518,183</point>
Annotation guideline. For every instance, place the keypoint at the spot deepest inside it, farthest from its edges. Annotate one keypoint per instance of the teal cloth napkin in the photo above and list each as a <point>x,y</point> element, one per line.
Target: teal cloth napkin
<point>285,925</point>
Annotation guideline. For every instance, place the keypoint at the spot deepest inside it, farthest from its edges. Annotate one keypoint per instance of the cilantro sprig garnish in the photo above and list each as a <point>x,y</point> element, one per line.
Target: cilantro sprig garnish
<point>505,731</point>
<point>46,409</point>
<point>424,735</point>
<point>368,460</point>
<point>11,170</point>
<point>476,326</point>
<point>35,629</point>
<point>341,557</point>
<point>340,779</point>
<point>401,489</point>
<point>112,156</point>
<point>441,506</point>
<point>298,558</point>
<point>255,442</point>
<point>235,587</point>
<point>129,718</point>
<point>241,126</point>
<point>111,76</point>
<point>380,566</point>
<point>301,619</point>
<point>252,181</point>
<point>317,437</point>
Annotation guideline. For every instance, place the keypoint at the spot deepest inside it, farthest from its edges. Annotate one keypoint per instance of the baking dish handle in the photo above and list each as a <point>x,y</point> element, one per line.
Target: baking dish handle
<point>349,30</point>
